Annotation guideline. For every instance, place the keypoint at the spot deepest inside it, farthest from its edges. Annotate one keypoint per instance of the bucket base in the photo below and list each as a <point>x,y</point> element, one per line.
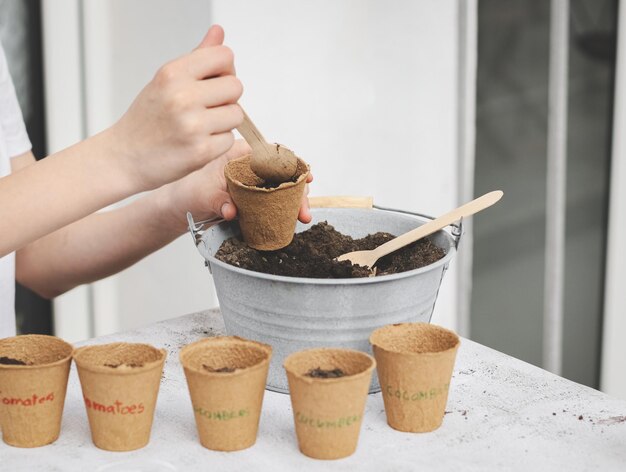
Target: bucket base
<point>269,388</point>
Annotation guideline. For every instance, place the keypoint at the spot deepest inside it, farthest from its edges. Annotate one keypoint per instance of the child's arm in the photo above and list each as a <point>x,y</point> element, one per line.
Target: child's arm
<point>180,121</point>
<point>105,243</point>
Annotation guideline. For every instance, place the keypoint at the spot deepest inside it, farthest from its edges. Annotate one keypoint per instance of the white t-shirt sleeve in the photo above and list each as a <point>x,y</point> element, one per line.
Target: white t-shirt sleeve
<point>11,120</point>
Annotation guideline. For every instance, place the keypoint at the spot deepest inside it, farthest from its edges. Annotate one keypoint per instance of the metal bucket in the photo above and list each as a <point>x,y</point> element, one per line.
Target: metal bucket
<point>294,313</point>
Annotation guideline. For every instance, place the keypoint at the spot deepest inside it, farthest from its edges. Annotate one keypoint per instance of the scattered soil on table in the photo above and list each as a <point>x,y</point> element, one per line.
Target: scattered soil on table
<point>320,373</point>
<point>220,370</point>
<point>11,361</point>
<point>115,366</point>
<point>312,254</point>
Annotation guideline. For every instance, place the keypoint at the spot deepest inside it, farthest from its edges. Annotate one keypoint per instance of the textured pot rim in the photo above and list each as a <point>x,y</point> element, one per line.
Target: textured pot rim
<point>47,365</point>
<point>331,381</point>
<point>233,340</point>
<point>101,369</point>
<point>416,354</point>
<point>251,188</point>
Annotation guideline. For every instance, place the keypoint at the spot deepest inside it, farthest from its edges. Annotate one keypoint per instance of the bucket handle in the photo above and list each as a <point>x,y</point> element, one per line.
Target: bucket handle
<point>197,229</point>
<point>368,203</point>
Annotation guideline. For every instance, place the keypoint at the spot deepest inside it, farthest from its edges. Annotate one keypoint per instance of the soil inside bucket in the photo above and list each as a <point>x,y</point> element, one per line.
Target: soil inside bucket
<point>312,254</point>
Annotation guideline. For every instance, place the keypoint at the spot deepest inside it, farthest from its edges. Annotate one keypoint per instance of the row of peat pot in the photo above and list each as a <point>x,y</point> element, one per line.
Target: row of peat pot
<point>226,377</point>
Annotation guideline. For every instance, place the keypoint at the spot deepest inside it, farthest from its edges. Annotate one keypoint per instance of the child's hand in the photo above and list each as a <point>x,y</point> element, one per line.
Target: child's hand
<point>205,195</point>
<point>183,118</point>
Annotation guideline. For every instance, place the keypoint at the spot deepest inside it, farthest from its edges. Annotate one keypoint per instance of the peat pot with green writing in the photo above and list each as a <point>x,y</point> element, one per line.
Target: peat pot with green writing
<point>226,377</point>
<point>328,389</point>
<point>415,363</point>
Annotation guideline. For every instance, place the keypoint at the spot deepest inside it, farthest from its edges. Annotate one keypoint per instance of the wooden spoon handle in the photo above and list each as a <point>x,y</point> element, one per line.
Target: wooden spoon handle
<point>341,202</point>
<point>468,209</point>
<point>253,136</point>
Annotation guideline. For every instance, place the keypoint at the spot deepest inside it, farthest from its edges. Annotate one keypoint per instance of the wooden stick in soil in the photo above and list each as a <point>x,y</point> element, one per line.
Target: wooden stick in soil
<point>369,258</point>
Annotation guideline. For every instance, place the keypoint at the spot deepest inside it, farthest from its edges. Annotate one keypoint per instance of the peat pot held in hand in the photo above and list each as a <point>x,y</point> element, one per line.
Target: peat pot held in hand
<point>294,313</point>
<point>267,214</point>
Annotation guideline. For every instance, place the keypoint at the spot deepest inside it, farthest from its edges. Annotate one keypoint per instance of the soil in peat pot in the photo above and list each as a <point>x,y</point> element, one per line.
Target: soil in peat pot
<point>320,373</point>
<point>312,254</point>
<point>221,370</point>
<point>11,361</point>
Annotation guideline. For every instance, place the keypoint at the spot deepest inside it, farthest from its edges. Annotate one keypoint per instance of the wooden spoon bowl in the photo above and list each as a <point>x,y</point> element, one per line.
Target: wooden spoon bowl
<point>272,162</point>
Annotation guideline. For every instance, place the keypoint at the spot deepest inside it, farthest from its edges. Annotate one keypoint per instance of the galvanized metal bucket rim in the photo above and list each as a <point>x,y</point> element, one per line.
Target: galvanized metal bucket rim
<point>211,259</point>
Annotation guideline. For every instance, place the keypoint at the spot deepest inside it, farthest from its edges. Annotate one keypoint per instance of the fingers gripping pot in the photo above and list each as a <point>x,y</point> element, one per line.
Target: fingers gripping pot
<point>294,313</point>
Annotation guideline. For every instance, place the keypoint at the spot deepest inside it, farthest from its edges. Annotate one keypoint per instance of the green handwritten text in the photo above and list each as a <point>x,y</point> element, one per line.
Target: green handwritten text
<point>344,421</point>
<point>221,415</point>
<point>416,396</point>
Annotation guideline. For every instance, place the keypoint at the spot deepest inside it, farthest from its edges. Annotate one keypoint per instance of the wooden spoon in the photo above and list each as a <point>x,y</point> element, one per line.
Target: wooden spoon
<point>272,162</point>
<point>369,258</point>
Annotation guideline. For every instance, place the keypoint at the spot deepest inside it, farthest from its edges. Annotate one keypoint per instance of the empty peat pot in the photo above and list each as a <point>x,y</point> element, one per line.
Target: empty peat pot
<point>33,381</point>
<point>267,216</point>
<point>415,363</point>
<point>328,412</point>
<point>296,313</point>
<point>120,383</point>
<point>226,378</point>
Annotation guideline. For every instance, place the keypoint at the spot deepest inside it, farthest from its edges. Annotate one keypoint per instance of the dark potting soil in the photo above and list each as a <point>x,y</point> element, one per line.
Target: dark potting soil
<point>320,373</point>
<point>312,254</point>
<point>115,366</point>
<point>11,361</point>
<point>267,184</point>
<point>220,370</point>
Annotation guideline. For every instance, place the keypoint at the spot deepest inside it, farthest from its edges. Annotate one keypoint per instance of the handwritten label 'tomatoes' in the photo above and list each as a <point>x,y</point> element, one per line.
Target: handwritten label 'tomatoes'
<point>117,408</point>
<point>28,401</point>
<point>328,423</point>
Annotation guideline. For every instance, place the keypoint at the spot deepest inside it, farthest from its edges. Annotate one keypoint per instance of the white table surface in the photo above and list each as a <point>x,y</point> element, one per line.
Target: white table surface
<point>502,414</point>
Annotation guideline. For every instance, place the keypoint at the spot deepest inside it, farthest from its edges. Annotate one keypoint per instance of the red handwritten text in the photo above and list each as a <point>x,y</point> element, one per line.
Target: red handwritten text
<point>117,408</point>
<point>28,401</point>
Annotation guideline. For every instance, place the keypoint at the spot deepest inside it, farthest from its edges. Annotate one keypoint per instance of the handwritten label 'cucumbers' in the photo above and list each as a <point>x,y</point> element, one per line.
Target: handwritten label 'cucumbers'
<point>331,423</point>
<point>117,408</point>
<point>412,396</point>
<point>32,400</point>
<point>221,415</point>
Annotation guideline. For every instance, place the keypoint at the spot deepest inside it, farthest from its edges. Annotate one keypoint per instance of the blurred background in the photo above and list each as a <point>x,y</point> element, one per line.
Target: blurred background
<point>422,104</point>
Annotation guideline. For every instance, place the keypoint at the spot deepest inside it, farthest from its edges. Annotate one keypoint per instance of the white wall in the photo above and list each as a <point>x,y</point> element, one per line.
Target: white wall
<point>124,44</point>
<point>136,39</point>
<point>65,125</point>
<point>365,91</point>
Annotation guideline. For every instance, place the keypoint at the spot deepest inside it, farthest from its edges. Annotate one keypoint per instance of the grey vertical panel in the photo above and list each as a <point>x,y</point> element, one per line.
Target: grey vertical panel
<point>467,53</point>
<point>556,186</point>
